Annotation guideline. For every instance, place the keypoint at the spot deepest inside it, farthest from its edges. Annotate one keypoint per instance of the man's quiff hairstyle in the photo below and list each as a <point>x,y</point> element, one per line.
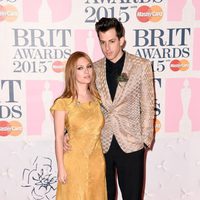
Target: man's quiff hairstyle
<point>104,24</point>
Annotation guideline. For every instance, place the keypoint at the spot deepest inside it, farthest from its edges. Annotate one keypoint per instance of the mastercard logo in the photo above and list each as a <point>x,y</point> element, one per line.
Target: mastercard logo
<point>13,128</point>
<point>157,125</point>
<point>8,13</point>
<point>179,65</point>
<point>152,14</point>
<point>58,66</point>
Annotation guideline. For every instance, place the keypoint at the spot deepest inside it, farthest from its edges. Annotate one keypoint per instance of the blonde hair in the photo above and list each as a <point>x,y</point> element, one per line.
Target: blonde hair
<point>70,79</point>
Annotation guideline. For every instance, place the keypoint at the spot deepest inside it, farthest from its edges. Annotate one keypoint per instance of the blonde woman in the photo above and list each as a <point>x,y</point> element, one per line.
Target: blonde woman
<point>81,171</point>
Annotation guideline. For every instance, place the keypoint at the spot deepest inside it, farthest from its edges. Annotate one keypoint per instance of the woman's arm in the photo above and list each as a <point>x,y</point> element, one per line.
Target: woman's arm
<point>59,127</point>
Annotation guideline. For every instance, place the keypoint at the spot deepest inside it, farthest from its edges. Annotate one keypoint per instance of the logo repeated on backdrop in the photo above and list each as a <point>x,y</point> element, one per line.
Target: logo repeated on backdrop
<point>185,10</point>
<point>149,14</point>
<point>10,107</point>
<point>58,66</point>
<point>87,40</point>
<point>123,10</point>
<point>12,128</point>
<point>40,96</point>
<point>179,65</point>
<point>46,10</point>
<point>37,50</point>
<point>8,13</point>
<point>182,112</point>
<point>162,45</point>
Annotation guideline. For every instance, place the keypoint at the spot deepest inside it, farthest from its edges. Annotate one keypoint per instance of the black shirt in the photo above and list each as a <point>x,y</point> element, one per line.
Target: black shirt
<point>113,70</point>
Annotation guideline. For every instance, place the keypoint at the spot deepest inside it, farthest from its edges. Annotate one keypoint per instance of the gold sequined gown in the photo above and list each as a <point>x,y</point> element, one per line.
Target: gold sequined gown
<point>84,164</point>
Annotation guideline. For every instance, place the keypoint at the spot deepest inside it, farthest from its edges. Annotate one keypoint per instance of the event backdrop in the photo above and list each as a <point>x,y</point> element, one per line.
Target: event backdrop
<point>37,37</point>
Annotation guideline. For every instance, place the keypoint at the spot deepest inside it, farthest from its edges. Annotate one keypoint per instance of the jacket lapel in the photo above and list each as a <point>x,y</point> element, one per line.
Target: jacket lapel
<point>104,91</point>
<point>122,85</point>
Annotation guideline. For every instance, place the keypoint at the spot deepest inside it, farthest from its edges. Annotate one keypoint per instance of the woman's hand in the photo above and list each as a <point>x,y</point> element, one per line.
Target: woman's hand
<point>62,176</point>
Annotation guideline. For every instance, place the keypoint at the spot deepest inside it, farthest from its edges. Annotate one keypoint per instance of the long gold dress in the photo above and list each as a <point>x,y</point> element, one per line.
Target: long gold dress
<point>84,164</point>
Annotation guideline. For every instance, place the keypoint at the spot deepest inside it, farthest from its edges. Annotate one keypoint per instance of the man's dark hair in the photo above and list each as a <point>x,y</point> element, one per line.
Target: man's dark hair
<point>104,24</point>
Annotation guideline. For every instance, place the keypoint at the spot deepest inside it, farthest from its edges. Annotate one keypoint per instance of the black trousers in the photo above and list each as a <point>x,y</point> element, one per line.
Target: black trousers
<point>130,172</point>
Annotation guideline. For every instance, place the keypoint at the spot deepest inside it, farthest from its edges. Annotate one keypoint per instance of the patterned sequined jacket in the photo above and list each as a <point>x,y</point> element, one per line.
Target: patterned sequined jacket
<point>130,116</point>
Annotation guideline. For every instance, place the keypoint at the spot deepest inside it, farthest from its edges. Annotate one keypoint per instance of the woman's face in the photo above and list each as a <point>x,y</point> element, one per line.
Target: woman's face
<point>84,71</point>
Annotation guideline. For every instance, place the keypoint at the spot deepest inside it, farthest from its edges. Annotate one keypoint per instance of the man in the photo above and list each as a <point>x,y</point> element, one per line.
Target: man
<point>125,84</point>
<point>129,105</point>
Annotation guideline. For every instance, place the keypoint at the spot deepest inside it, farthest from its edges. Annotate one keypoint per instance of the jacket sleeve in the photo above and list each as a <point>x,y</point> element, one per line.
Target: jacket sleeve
<point>147,104</point>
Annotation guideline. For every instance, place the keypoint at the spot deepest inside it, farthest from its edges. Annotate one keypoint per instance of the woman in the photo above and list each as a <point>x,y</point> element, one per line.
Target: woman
<point>81,171</point>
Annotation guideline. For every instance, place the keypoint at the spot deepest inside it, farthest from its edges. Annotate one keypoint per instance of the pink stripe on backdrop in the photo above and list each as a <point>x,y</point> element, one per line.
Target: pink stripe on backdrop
<point>194,110</point>
<point>173,109</point>
<point>83,43</point>
<point>174,10</point>
<point>196,45</point>
<point>60,10</point>
<point>196,4</point>
<point>35,107</point>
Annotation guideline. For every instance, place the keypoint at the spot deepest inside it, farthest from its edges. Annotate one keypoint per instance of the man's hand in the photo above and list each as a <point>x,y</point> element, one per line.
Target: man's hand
<point>66,145</point>
<point>146,147</point>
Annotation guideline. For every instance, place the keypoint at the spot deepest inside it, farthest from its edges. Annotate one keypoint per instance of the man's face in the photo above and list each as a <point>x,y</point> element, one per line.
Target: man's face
<point>111,45</point>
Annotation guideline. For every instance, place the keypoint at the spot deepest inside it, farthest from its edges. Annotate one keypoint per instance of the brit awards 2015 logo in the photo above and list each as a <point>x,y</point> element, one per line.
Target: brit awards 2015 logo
<point>37,50</point>
<point>10,108</point>
<point>163,45</point>
<point>123,10</point>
